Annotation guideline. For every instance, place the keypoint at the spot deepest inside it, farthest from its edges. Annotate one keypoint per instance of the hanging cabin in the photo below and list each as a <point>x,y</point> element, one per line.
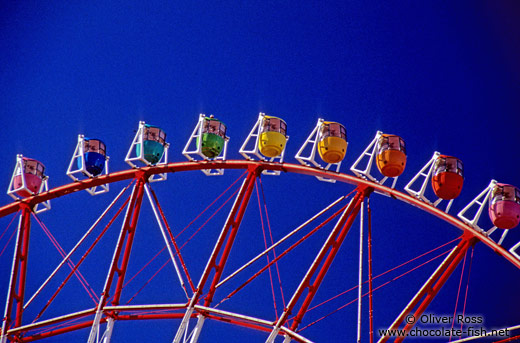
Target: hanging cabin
<point>31,175</point>
<point>154,141</point>
<point>448,177</point>
<point>391,155</point>
<point>94,154</point>
<point>273,136</point>
<point>332,144</point>
<point>504,206</point>
<point>213,137</point>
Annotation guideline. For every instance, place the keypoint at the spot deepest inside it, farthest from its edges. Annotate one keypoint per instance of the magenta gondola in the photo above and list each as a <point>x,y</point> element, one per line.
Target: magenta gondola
<point>504,206</point>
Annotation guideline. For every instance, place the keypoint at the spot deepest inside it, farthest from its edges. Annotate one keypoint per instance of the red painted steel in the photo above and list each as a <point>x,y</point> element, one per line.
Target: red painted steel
<point>60,331</point>
<point>176,247</point>
<point>23,259</point>
<point>370,286</point>
<point>19,273</point>
<point>254,167</point>
<point>127,237</point>
<point>96,241</point>
<point>231,227</point>
<point>327,255</point>
<point>240,164</point>
<point>285,252</point>
<point>428,292</point>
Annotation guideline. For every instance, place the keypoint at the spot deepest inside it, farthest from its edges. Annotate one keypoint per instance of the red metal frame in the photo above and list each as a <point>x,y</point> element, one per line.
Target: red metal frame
<point>226,238</point>
<point>327,254</point>
<point>172,238</point>
<point>432,287</point>
<point>144,314</point>
<point>239,164</point>
<point>126,237</point>
<point>225,242</point>
<point>78,264</point>
<point>370,287</point>
<point>19,272</point>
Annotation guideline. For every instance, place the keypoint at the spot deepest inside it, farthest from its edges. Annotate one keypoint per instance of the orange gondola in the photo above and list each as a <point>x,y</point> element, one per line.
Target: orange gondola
<point>448,177</point>
<point>391,155</point>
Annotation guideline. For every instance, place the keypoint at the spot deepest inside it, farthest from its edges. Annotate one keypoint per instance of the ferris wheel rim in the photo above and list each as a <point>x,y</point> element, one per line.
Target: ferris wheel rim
<point>234,318</point>
<point>174,167</point>
<point>254,167</point>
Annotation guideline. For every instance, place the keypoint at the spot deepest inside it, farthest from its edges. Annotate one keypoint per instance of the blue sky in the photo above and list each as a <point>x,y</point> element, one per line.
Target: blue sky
<point>443,76</point>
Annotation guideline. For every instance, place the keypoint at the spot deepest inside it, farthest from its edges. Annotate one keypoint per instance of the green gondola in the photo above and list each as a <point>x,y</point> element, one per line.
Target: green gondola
<point>213,137</point>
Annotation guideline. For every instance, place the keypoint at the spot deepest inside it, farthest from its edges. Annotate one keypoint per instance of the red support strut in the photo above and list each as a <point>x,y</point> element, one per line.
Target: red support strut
<point>227,236</point>
<point>224,243</point>
<point>431,288</point>
<point>129,231</point>
<point>126,238</point>
<point>333,243</point>
<point>326,255</point>
<point>370,287</point>
<point>15,296</point>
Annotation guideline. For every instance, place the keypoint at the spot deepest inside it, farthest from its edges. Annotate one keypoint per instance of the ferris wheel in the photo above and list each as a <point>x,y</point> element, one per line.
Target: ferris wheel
<point>206,281</point>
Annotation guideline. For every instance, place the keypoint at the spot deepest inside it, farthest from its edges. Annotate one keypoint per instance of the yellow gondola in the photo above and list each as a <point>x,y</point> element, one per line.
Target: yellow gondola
<point>332,144</point>
<point>273,136</point>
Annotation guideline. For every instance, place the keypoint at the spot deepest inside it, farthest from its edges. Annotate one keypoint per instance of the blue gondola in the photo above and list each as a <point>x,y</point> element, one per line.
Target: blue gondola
<point>94,152</point>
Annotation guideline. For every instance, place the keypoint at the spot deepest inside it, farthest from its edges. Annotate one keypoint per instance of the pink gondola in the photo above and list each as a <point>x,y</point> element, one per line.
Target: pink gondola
<point>504,206</point>
<point>32,174</point>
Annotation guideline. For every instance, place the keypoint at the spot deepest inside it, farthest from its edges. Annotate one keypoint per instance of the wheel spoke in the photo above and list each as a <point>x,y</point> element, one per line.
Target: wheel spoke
<point>326,254</point>
<point>431,288</point>
<point>224,244</point>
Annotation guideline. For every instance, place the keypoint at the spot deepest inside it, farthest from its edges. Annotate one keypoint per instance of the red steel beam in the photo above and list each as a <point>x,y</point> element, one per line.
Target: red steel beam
<point>328,253</point>
<point>130,230</point>
<point>227,236</point>
<point>60,331</point>
<point>333,239</point>
<point>432,287</point>
<point>172,238</point>
<point>286,251</point>
<point>126,237</point>
<point>370,287</point>
<point>153,316</point>
<point>23,258</point>
<point>16,292</point>
<point>241,164</point>
<point>432,293</point>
